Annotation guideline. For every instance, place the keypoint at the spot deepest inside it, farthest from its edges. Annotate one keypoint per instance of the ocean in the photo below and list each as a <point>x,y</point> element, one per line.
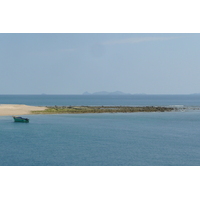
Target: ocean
<point>111,139</point>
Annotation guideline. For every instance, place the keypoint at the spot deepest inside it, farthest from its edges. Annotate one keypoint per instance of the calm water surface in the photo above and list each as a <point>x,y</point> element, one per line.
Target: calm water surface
<point>119,139</point>
<point>98,100</point>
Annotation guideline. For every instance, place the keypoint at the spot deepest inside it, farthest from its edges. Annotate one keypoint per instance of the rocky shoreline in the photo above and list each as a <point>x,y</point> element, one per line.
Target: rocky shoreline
<point>102,109</point>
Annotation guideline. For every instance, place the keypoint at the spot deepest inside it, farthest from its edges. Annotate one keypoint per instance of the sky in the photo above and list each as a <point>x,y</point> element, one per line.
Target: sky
<point>73,63</point>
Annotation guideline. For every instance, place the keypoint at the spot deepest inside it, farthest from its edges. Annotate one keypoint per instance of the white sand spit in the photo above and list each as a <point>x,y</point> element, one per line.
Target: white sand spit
<point>15,109</point>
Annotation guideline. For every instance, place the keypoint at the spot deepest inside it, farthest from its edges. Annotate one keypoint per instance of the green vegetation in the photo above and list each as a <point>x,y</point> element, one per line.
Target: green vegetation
<point>101,109</point>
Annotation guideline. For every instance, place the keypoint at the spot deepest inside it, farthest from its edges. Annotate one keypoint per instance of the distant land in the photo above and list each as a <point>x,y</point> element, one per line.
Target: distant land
<point>108,93</point>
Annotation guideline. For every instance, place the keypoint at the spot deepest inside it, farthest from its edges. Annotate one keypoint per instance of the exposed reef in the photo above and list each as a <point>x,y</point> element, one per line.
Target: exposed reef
<point>102,109</point>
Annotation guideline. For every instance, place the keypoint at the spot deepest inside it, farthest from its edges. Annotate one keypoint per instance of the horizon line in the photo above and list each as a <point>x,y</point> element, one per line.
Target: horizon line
<point>93,94</point>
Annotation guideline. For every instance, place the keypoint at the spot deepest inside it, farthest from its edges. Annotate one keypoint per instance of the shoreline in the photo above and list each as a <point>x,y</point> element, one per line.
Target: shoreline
<point>102,109</point>
<point>19,109</point>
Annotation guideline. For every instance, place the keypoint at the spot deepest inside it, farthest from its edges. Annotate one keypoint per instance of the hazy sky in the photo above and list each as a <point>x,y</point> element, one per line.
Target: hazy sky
<point>75,63</point>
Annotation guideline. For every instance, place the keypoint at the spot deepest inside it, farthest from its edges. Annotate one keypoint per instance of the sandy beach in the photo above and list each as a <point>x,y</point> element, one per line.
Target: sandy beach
<point>15,109</point>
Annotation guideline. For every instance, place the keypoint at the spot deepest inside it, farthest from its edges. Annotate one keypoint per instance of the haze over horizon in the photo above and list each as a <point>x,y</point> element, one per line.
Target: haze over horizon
<point>68,63</point>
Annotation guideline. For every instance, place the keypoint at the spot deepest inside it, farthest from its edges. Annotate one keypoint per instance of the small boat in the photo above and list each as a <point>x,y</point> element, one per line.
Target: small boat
<point>20,119</point>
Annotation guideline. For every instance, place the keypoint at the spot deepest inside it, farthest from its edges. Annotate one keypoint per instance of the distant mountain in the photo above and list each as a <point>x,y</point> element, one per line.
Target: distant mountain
<point>106,93</point>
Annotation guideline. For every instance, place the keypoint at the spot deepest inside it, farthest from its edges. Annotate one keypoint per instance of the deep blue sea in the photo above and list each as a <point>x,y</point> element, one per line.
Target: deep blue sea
<point>119,139</point>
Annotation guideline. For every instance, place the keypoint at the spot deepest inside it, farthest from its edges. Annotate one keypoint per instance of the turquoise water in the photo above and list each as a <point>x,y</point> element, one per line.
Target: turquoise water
<point>119,139</point>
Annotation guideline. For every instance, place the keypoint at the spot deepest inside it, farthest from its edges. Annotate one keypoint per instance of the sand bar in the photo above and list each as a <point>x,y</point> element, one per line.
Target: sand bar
<point>16,109</point>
